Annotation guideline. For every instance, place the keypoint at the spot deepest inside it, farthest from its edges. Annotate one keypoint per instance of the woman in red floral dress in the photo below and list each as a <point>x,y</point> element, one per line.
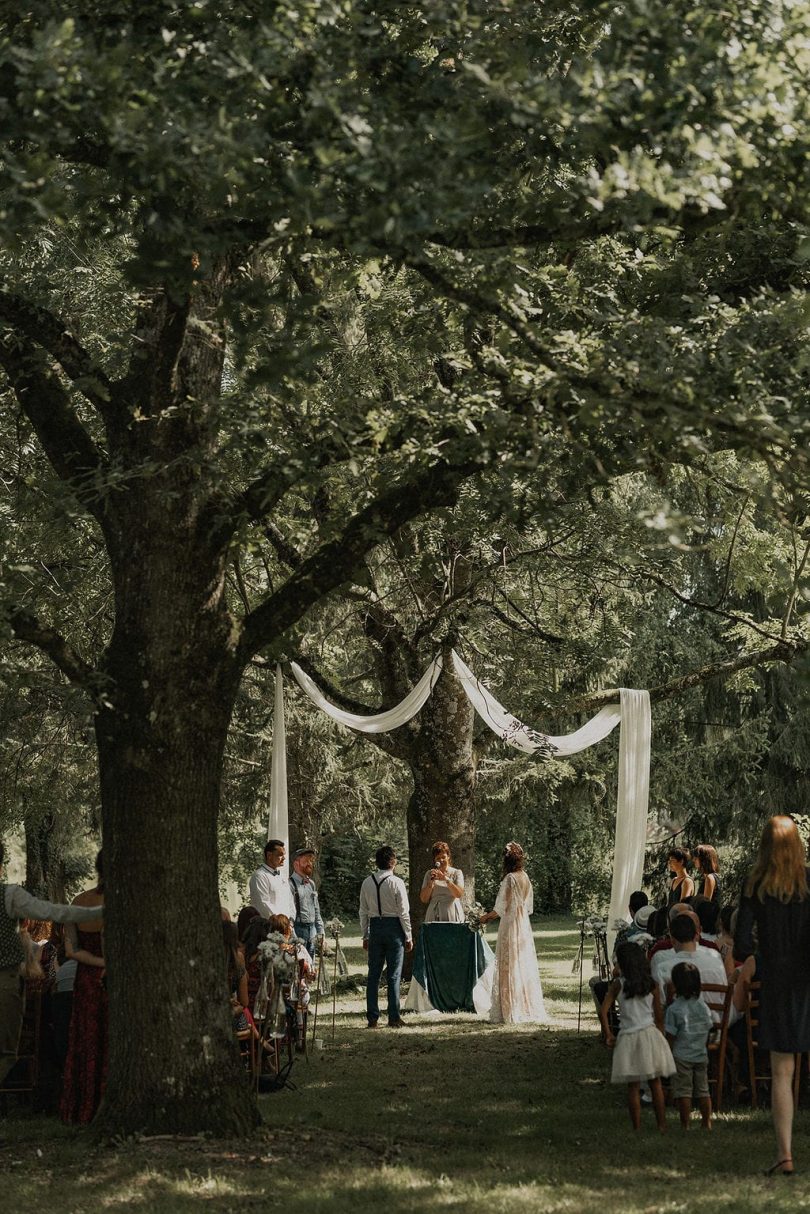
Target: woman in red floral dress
<point>86,1066</point>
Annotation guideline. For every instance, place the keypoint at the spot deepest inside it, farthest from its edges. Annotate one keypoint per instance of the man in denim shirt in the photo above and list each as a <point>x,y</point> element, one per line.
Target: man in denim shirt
<point>308,923</point>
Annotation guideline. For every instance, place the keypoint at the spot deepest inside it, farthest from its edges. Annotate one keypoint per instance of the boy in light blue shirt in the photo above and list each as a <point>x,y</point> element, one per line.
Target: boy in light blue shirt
<point>688,1023</point>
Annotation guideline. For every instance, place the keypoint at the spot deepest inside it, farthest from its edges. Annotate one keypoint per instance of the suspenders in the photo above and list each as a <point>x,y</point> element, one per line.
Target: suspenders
<point>377,885</point>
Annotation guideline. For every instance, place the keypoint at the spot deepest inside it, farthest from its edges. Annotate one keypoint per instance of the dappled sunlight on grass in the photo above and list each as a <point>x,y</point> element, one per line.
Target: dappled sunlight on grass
<point>449,1113</point>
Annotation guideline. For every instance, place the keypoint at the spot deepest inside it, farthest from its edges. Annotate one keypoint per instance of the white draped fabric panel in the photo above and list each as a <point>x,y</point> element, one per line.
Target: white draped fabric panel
<point>278,826</point>
<point>633,712</point>
<point>383,722</point>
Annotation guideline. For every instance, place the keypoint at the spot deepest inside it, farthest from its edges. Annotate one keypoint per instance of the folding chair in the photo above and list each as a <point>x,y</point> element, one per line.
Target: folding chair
<point>757,1074</point>
<point>719,1004</point>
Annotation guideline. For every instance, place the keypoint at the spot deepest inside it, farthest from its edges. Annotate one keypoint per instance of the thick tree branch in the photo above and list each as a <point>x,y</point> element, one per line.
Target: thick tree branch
<point>782,651</point>
<point>68,446</point>
<point>49,331</point>
<point>26,627</point>
<point>339,560</point>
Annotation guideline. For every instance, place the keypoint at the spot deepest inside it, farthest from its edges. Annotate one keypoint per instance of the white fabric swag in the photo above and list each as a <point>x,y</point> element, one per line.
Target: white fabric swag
<point>632,711</point>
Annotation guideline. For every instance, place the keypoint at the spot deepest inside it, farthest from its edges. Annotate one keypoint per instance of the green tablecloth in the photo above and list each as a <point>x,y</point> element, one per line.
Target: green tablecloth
<point>448,961</point>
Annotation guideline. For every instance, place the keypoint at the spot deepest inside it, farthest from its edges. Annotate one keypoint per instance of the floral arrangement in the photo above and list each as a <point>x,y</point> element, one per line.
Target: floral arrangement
<point>472,916</point>
<point>334,927</point>
<point>592,926</point>
<point>275,954</point>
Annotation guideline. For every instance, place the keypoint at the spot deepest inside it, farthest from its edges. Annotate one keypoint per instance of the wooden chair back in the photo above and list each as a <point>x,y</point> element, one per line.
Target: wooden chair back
<point>759,1060</point>
<point>718,1001</point>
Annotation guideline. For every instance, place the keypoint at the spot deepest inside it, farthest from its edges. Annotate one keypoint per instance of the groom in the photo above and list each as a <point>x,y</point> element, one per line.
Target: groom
<point>385,921</point>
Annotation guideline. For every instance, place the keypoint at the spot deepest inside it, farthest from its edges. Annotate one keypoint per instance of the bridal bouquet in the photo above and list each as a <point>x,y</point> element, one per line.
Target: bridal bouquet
<point>472,916</point>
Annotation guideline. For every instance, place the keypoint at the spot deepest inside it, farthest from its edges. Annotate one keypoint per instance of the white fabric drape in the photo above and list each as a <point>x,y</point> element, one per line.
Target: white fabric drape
<point>382,722</point>
<point>512,731</point>
<point>632,801</point>
<point>278,826</point>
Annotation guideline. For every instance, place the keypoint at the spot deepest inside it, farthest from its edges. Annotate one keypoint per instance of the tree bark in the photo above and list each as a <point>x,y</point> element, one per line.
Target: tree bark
<point>174,1063</point>
<point>442,804</point>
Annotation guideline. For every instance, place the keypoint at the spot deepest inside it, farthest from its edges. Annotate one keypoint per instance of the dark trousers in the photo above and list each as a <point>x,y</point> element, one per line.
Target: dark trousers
<point>386,946</point>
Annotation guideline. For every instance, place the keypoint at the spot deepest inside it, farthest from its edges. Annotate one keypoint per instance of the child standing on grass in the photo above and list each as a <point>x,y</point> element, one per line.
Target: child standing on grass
<point>688,1023</point>
<point>641,1051</point>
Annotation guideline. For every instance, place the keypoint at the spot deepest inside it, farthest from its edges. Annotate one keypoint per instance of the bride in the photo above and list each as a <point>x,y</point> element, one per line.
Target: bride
<point>517,996</point>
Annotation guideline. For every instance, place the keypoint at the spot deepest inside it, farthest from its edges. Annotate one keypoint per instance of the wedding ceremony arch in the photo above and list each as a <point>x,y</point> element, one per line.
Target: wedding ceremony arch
<point>632,713</point>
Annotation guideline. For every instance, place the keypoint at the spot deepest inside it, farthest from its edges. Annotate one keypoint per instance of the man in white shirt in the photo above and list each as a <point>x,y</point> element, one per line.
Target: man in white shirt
<point>270,892</point>
<point>17,904</point>
<point>685,947</point>
<point>385,921</point>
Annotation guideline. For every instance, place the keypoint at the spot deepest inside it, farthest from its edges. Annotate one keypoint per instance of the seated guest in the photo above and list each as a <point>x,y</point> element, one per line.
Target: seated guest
<point>725,933</point>
<point>236,974</point>
<point>681,908</point>
<point>258,931</point>
<point>638,901</point>
<point>708,914</point>
<point>244,919</point>
<point>685,947</point>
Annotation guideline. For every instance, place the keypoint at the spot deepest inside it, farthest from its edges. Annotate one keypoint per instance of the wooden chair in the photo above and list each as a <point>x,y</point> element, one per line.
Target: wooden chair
<point>22,1079</point>
<point>719,1004</point>
<point>759,1059</point>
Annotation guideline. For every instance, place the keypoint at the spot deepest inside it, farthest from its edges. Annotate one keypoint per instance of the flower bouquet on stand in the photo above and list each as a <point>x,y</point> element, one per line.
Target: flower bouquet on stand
<point>278,968</point>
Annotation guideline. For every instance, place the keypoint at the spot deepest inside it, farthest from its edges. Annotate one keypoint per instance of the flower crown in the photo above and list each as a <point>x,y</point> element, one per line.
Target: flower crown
<point>514,849</point>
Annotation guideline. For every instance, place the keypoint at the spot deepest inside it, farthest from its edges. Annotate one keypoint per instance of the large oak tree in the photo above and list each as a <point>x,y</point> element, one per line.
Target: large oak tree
<point>188,193</point>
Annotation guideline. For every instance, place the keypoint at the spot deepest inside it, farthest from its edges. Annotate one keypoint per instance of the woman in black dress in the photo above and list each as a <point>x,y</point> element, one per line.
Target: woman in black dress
<point>707,865</point>
<point>776,899</point>
<point>682,886</point>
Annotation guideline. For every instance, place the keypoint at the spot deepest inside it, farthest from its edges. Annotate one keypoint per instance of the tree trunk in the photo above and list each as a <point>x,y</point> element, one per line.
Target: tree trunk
<point>173,1064</point>
<point>44,873</point>
<point>442,805</point>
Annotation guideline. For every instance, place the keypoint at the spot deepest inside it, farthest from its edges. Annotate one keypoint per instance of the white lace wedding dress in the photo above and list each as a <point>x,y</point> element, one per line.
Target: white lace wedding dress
<point>517,996</point>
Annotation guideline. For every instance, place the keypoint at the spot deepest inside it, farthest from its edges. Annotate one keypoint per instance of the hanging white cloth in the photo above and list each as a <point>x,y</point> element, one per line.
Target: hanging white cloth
<point>278,826</point>
<point>512,731</point>
<point>633,711</point>
<point>632,802</point>
<point>382,722</point>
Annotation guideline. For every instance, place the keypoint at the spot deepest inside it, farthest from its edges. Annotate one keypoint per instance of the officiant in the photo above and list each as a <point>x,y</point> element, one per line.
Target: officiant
<point>443,888</point>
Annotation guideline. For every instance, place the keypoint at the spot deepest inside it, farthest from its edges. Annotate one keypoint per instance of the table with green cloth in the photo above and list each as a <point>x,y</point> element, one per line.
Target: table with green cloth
<point>449,963</point>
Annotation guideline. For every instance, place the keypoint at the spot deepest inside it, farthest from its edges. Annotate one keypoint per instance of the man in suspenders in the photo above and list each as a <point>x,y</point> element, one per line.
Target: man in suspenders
<point>385,921</point>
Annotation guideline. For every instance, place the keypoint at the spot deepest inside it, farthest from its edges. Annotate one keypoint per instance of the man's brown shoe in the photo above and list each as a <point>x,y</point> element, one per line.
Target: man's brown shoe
<point>396,1024</point>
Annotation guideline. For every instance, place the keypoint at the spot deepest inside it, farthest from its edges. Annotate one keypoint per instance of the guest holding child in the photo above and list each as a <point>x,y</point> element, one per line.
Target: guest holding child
<point>688,1023</point>
<point>641,1052</point>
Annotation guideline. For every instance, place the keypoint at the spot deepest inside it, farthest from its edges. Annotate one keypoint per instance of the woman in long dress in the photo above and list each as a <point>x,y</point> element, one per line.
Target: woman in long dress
<point>443,888</point>
<point>86,1066</point>
<point>517,996</point>
<point>776,901</point>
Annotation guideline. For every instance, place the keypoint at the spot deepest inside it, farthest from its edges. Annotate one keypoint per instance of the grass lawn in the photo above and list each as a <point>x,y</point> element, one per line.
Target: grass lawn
<point>446,1114</point>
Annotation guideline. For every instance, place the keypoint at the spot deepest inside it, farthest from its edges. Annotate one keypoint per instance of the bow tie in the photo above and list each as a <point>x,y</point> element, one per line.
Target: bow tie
<point>274,871</point>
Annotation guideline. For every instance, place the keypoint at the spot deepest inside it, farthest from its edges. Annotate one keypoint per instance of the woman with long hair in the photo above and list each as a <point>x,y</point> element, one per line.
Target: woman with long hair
<point>86,1064</point>
<point>517,996</point>
<point>775,901</point>
<point>708,867</point>
<point>682,886</point>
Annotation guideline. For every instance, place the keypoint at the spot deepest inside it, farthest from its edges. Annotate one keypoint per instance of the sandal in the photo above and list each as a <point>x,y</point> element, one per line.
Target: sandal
<point>779,1169</point>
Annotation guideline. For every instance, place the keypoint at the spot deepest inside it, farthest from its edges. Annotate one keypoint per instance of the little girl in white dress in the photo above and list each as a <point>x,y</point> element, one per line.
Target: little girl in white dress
<point>641,1051</point>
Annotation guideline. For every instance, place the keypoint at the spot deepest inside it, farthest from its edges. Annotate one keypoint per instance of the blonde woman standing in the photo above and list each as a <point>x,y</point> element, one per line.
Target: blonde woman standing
<point>775,900</point>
